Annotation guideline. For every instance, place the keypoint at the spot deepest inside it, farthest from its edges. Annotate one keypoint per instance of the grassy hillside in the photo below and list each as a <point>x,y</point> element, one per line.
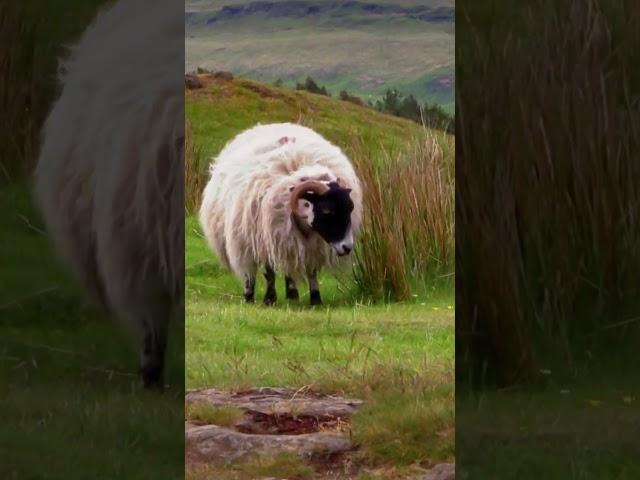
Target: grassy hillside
<point>364,47</point>
<point>226,107</point>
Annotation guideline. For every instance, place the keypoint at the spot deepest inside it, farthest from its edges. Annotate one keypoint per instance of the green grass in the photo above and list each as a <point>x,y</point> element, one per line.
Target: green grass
<point>284,465</point>
<point>71,404</point>
<point>397,357</point>
<point>204,413</point>
<point>557,431</point>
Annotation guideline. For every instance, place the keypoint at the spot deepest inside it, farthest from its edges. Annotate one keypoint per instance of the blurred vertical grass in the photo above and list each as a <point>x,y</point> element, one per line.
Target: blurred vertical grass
<point>547,184</point>
<point>33,36</point>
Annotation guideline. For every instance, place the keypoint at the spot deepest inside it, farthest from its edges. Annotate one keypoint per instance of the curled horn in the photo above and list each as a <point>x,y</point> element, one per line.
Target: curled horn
<point>308,186</point>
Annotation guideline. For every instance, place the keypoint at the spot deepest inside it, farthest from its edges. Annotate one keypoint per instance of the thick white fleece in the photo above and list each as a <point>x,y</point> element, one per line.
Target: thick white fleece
<point>245,212</point>
<point>110,178</point>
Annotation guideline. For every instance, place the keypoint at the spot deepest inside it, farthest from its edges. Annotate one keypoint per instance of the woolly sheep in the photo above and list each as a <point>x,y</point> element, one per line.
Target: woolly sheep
<point>109,178</point>
<point>282,197</point>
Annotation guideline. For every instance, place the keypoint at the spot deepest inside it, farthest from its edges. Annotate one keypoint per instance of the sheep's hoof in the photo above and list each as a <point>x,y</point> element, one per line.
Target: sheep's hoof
<point>292,294</point>
<point>152,377</point>
<point>248,298</point>
<point>270,298</point>
<point>315,298</point>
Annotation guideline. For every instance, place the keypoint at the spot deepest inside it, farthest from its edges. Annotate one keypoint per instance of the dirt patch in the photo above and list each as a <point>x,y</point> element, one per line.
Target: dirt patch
<point>287,424</point>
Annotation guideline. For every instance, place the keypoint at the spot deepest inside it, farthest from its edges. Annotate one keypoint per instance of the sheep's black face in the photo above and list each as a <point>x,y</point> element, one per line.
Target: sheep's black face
<point>332,217</point>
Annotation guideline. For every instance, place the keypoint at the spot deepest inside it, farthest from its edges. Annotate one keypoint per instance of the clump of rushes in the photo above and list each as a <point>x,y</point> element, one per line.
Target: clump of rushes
<point>195,172</point>
<point>33,37</point>
<point>22,94</point>
<point>549,236</point>
<point>407,238</point>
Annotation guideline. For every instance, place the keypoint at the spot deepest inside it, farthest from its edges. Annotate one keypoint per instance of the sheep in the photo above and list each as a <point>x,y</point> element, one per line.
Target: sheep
<point>282,196</point>
<point>109,177</point>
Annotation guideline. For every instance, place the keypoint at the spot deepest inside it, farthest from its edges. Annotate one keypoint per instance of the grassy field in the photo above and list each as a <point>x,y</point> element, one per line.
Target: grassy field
<point>397,356</point>
<point>557,430</point>
<point>71,404</point>
<point>364,54</point>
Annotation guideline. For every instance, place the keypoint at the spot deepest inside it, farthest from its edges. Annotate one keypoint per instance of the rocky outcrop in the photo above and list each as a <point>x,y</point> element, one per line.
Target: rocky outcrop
<point>213,443</point>
<point>443,471</point>
<point>276,420</point>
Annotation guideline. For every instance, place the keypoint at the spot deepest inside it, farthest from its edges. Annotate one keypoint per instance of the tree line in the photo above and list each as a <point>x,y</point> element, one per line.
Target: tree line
<point>393,103</point>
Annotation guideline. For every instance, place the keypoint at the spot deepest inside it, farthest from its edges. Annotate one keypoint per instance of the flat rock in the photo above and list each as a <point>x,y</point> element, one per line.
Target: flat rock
<point>272,401</point>
<point>443,471</point>
<point>213,443</point>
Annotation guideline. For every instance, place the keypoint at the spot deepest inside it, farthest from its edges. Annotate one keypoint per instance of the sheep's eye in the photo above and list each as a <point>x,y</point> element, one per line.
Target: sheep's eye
<point>306,204</point>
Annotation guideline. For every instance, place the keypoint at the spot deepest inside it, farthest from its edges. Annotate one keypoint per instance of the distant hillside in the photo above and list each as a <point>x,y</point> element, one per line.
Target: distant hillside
<point>364,47</point>
<point>333,10</point>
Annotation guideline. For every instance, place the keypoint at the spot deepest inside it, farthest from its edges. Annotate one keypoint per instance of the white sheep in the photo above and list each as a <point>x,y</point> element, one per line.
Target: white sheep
<point>281,196</point>
<point>109,178</point>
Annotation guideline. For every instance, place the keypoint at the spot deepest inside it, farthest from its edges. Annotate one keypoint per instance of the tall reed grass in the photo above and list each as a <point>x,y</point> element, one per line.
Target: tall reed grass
<point>33,37</point>
<point>196,172</point>
<point>407,238</point>
<point>22,93</point>
<point>547,182</point>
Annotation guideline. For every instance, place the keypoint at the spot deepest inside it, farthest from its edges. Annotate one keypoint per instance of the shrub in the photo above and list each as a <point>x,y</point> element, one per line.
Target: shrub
<point>432,116</point>
<point>347,97</point>
<point>311,86</point>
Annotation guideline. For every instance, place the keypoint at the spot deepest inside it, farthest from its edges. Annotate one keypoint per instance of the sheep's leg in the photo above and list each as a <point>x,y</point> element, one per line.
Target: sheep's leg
<point>292,290</point>
<point>153,312</point>
<point>249,287</point>
<point>154,345</point>
<point>314,289</point>
<point>270,296</point>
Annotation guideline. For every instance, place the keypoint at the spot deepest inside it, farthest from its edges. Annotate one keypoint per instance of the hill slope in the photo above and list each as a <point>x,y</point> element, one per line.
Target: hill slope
<point>364,47</point>
<point>225,107</point>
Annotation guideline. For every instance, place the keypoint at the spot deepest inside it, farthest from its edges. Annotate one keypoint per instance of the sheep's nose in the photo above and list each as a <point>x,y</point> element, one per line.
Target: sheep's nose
<point>342,248</point>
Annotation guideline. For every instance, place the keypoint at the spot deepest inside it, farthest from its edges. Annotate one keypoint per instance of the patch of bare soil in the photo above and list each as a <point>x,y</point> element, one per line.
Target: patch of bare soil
<point>287,424</point>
